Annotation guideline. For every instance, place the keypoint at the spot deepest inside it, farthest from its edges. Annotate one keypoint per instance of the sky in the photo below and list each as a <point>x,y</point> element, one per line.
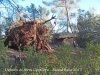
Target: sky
<point>87,4</point>
<point>84,4</point>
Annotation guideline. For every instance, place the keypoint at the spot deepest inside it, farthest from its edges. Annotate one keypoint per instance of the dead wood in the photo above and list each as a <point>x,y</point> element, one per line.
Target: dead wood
<point>28,33</point>
<point>53,17</point>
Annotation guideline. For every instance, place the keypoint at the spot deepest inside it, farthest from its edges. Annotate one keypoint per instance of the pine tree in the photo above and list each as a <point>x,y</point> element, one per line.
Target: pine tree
<point>64,10</point>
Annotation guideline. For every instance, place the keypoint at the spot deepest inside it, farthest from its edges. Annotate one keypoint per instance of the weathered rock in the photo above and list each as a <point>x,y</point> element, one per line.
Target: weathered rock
<point>64,35</point>
<point>67,38</point>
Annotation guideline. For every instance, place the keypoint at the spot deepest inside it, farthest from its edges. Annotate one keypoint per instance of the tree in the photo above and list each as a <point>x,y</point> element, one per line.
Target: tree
<point>88,25</point>
<point>9,8</point>
<point>39,13</point>
<point>8,15</point>
<point>0,31</point>
<point>43,16</point>
<point>32,10</point>
<point>88,21</point>
<point>15,12</point>
<point>63,7</point>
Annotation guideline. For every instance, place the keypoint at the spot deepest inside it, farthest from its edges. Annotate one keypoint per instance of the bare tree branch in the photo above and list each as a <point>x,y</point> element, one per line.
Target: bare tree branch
<point>53,17</point>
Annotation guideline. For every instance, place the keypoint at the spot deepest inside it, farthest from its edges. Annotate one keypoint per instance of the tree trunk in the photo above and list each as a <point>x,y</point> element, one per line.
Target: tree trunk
<point>67,15</point>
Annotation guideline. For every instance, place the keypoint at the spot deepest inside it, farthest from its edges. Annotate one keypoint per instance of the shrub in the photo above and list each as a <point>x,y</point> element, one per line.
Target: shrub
<point>61,62</point>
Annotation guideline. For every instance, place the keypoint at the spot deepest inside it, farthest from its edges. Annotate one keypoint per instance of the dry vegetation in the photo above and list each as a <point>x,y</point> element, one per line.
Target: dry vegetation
<point>29,37</point>
<point>28,33</point>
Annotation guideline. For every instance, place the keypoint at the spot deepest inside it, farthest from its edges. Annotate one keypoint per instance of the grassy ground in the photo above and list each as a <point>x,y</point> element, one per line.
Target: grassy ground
<point>61,62</point>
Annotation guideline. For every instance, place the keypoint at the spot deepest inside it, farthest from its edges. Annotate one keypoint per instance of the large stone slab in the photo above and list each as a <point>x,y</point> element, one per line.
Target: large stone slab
<point>64,35</point>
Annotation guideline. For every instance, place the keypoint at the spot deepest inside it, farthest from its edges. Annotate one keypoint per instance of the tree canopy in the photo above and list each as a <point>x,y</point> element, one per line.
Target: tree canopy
<point>13,12</point>
<point>89,26</point>
<point>64,10</point>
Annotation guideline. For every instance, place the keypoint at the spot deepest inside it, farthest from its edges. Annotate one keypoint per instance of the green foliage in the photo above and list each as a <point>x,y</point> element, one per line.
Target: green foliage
<point>61,62</point>
<point>88,25</point>
<point>87,20</point>
<point>64,10</point>
<point>0,31</point>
